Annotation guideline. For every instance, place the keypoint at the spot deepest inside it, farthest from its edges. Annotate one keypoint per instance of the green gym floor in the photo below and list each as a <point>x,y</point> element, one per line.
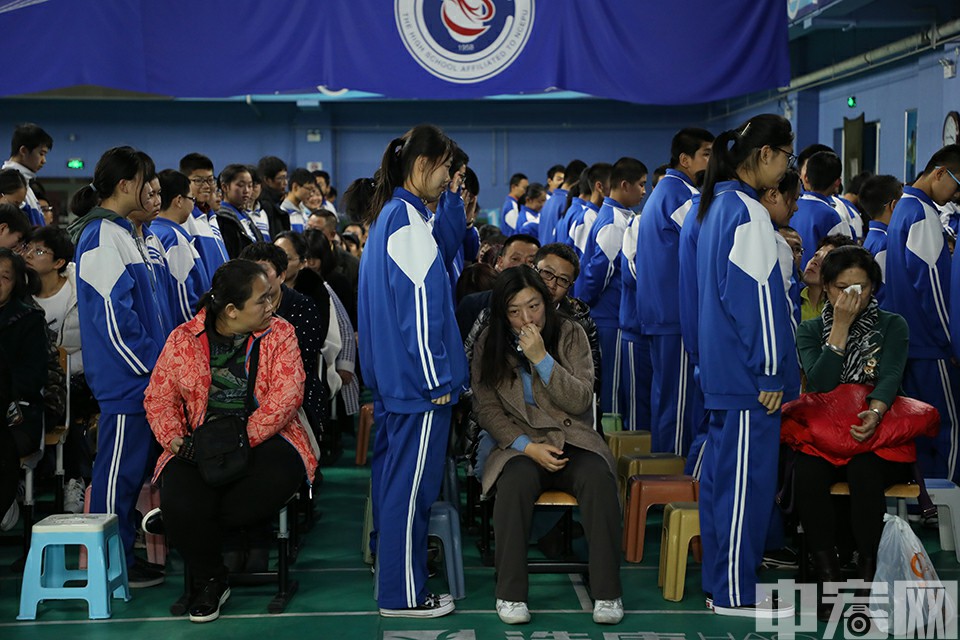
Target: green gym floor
<point>335,599</point>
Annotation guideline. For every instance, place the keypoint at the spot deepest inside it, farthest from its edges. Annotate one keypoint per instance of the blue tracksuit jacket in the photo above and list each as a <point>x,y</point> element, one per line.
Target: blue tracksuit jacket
<point>550,215</point>
<point>410,346</point>
<point>815,219</point>
<point>509,214</point>
<point>187,271</point>
<point>657,253</point>
<point>599,284</point>
<point>876,244</point>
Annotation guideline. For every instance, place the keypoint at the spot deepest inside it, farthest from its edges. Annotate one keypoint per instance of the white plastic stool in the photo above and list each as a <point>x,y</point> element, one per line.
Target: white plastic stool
<point>946,496</point>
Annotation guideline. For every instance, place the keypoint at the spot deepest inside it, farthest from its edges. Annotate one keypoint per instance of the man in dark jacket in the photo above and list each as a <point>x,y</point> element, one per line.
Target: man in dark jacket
<point>273,172</point>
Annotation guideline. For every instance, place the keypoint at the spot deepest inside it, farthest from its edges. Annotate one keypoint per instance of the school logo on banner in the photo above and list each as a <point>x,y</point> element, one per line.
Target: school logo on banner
<point>464,41</point>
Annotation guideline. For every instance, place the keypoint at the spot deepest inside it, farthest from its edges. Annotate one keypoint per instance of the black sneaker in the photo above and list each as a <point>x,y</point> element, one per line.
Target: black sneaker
<point>784,559</point>
<point>433,607</point>
<point>768,609</point>
<point>140,576</point>
<point>206,605</point>
<point>153,522</point>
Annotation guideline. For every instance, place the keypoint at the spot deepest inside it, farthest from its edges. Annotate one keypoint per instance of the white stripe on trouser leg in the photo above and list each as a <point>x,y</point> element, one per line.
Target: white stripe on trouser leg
<point>111,489</point>
<point>951,416</point>
<point>615,400</point>
<point>681,402</point>
<point>736,519</point>
<point>699,463</point>
<point>411,586</point>
<point>633,386</point>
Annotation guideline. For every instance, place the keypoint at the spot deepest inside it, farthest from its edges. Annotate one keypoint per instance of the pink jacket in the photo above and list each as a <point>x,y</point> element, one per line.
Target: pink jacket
<point>181,379</point>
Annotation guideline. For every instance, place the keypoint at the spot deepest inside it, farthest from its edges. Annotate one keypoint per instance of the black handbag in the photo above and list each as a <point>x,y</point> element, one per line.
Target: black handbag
<point>221,447</point>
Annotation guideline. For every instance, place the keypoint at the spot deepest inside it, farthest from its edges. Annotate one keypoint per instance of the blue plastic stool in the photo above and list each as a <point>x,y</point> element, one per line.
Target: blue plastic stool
<point>444,524</point>
<point>45,573</point>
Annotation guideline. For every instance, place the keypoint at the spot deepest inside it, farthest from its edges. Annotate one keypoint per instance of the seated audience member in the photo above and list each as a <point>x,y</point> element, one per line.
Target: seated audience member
<point>201,375</point>
<point>476,278</point>
<point>13,188</point>
<point>273,173</point>
<point>255,210</point>
<point>14,227</point>
<point>324,258</point>
<point>23,349</point>
<point>50,254</point>
<point>188,273</point>
<point>300,311</point>
<point>354,204</point>
<point>545,438</point>
<point>351,243</point>
<point>516,250</point>
<point>811,296</point>
<point>46,207</point>
<point>852,342</point>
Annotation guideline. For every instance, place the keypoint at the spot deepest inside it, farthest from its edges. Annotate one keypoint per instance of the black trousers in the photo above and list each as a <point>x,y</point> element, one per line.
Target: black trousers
<point>587,477</point>
<point>822,515</point>
<point>196,515</point>
<point>15,442</point>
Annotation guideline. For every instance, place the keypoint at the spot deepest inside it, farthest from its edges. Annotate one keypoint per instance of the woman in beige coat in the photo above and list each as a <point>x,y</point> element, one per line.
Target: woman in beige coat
<point>533,392</point>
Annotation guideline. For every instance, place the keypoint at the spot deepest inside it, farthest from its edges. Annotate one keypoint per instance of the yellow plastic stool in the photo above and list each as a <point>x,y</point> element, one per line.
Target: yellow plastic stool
<point>681,524</point>
<point>647,464</point>
<point>624,443</point>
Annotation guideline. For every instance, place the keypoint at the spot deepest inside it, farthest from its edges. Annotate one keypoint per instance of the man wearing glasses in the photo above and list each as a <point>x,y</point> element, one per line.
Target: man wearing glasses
<point>918,288</point>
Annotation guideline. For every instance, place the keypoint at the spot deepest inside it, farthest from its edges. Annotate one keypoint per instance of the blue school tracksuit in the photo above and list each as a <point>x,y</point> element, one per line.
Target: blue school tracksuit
<point>851,215</point>
<point>509,214</point>
<point>452,236</point>
<point>599,285</point>
<point>410,352</point>
<point>658,308</point>
<point>566,226</point>
<point>918,288</point>
<point>815,219</point>
<point>746,346</point>
<point>297,215</point>
<point>188,273</point>
<point>586,218</point>
<point>876,244</point>
<point>123,331</point>
<point>529,222</point>
<point>550,216</point>
<point>207,239</point>
<point>636,368</point>
<point>689,329</point>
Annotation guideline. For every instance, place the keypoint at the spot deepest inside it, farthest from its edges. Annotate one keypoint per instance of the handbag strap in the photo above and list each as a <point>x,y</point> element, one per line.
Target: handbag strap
<point>253,366</point>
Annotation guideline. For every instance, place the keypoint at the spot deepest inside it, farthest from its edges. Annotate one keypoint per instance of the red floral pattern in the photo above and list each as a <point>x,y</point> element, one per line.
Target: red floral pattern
<point>181,380</point>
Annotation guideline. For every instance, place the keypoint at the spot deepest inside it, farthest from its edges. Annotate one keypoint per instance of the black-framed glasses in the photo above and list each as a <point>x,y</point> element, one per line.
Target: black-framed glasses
<point>210,180</point>
<point>191,199</point>
<point>550,276</point>
<point>791,157</point>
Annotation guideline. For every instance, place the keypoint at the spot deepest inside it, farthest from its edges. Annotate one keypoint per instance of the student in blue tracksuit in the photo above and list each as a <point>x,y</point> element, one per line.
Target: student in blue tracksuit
<point>533,200</point>
<point>817,216</point>
<point>471,238</point>
<point>657,300</point>
<point>594,187</point>
<point>879,196</point>
<point>122,331</point>
<point>202,224</point>
<point>28,153</point>
<point>636,367</point>
<point>600,281</point>
<point>556,204</point>
<point>918,274</point>
<point>188,273</point>
<point>746,345</point>
<point>510,211</point>
<point>413,361</point>
<point>450,218</point>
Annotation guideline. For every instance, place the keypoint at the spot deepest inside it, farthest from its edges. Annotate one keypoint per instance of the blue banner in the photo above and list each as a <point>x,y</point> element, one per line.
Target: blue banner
<point>680,52</point>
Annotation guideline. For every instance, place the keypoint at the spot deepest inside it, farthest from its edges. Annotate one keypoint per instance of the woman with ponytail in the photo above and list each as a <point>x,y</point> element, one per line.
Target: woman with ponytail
<point>122,330</point>
<point>412,359</point>
<point>748,360</point>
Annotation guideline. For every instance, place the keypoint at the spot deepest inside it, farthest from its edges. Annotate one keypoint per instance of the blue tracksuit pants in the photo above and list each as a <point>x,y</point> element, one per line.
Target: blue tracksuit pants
<point>737,487</point>
<point>410,451</point>
<point>126,454</point>
<point>936,382</point>
<point>610,369</point>
<point>700,421</point>
<point>636,373</point>
<point>672,391</point>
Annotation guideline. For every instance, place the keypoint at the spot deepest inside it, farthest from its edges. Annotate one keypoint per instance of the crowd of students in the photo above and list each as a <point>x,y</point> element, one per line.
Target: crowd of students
<point>680,310</point>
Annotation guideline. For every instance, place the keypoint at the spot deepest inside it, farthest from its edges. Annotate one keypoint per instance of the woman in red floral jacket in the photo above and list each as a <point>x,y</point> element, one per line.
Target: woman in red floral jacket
<point>203,371</point>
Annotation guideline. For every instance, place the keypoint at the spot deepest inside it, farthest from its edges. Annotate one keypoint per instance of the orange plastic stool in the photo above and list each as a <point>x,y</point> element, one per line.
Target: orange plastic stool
<point>363,433</point>
<point>642,493</point>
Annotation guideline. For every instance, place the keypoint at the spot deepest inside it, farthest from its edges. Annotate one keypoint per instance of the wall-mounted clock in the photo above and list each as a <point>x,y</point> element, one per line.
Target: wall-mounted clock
<point>951,128</point>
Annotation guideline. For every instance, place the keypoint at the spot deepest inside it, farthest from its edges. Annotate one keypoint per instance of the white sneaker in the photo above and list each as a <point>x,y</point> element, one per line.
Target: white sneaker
<point>73,495</point>
<point>11,517</point>
<point>513,612</point>
<point>608,611</point>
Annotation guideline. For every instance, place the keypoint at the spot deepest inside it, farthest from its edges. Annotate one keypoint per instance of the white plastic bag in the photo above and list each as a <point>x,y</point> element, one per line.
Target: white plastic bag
<point>907,593</point>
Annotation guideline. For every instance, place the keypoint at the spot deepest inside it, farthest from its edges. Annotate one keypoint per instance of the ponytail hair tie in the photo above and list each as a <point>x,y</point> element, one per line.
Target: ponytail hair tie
<point>744,132</point>
<point>397,149</point>
<point>93,187</point>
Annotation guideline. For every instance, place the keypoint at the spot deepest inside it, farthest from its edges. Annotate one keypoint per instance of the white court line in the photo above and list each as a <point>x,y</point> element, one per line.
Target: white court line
<point>585,602</point>
<point>326,614</point>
